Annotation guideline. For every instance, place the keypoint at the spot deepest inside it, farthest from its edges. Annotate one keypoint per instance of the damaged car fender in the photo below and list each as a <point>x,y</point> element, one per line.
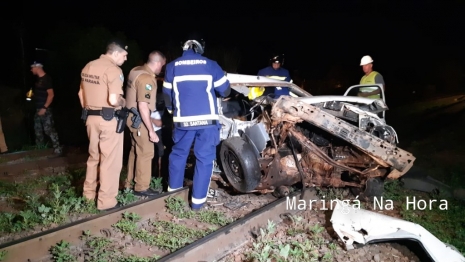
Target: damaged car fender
<point>360,226</point>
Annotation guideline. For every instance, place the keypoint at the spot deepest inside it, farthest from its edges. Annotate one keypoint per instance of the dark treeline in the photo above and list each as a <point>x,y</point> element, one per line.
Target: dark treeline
<point>409,72</point>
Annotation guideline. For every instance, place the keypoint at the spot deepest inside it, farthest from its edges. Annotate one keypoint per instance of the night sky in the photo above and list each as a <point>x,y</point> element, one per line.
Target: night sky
<point>406,40</point>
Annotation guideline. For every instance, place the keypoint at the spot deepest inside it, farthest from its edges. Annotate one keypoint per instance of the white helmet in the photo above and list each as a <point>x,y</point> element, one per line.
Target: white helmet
<point>366,60</point>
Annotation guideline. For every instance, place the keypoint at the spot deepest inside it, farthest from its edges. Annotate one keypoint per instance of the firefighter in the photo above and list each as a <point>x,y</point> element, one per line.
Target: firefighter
<point>191,85</point>
<point>275,71</point>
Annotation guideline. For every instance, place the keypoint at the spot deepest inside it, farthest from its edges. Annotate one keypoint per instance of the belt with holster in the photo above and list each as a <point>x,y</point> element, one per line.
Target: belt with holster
<point>107,113</point>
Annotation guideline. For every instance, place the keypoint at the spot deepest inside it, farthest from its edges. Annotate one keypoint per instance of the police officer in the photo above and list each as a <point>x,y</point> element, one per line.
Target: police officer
<point>276,71</point>
<point>191,84</point>
<point>370,77</point>
<point>141,94</point>
<point>101,94</point>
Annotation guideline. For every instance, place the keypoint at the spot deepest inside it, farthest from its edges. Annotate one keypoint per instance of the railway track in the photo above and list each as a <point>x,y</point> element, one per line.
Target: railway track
<point>224,243</point>
<point>36,248</point>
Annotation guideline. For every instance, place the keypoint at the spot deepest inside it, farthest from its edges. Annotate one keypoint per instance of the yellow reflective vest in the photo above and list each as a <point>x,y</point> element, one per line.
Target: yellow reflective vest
<point>370,79</point>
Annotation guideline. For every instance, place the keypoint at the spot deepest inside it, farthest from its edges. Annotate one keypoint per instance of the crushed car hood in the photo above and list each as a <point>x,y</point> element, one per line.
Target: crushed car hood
<point>241,84</point>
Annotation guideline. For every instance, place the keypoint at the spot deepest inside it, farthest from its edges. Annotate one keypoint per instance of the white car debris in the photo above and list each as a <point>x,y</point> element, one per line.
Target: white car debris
<point>359,226</point>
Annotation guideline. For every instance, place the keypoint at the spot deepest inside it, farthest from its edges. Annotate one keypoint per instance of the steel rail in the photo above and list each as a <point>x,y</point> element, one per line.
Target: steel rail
<point>227,239</point>
<point>36,247</point>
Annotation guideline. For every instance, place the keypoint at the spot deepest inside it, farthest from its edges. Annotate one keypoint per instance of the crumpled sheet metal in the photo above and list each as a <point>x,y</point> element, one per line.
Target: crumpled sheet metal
<point>363,226</point>
<point>293,110</point>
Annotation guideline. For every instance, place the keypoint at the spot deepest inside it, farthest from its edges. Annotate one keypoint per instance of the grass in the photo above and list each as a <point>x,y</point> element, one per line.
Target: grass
<point>97,249</point>
<point>178,207</point>
<point>425,106</point>
<point>165,235</point>
<point>447,225</point>
<point>269,247</point>
<point>35,147</point>
<point>46,201</point>
<point>50,200</point>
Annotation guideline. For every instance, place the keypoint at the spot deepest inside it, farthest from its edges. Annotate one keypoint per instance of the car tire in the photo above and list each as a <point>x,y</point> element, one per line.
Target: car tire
<point>240,164</point>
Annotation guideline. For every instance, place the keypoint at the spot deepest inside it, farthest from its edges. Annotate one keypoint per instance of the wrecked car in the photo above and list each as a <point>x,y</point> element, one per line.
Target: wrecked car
<point>318,141</point>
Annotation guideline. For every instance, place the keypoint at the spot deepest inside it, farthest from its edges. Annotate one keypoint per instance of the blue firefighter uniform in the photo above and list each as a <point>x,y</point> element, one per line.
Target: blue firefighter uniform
<point>191,84</point>
<point>279,74</point>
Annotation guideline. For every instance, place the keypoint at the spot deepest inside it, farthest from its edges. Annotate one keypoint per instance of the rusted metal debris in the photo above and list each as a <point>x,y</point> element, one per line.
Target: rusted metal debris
<point>363,156</point>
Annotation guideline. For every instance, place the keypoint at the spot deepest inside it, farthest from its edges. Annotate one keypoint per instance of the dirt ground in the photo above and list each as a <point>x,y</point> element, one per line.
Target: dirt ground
<point>165,232</point>
<point>311,233</point>
<point>225,201</point>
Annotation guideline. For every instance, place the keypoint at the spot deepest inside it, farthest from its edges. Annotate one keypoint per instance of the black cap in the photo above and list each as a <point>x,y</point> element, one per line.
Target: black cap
<point>277,59</point>
<point>119,43</point>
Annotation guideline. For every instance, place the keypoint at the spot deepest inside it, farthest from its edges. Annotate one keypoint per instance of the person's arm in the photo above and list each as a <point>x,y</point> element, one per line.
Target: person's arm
<point>81,98</point>
<point>50,93</point>
<point>156,119</point>
<point>168,88</point>
<point>50,96</point>
<point>288,77</point>
<point>380,80</point>
<point>114,80</point>
<point>220,81</point>
<point>146,87</point>
<point>145,115</point>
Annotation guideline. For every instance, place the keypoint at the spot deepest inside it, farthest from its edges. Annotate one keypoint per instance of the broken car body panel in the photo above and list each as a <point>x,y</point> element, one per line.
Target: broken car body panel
<point>359,226</point>
<point>332,141</point>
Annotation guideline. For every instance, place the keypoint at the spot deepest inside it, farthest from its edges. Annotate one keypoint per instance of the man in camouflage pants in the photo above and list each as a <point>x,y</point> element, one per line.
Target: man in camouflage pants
<point>43,119</point>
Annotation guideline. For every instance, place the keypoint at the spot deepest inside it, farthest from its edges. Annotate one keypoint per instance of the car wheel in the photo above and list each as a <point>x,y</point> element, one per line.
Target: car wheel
<point>240,164</point>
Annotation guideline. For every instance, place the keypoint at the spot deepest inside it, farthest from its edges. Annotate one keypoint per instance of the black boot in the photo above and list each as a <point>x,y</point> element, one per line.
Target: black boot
<point>148,192</point>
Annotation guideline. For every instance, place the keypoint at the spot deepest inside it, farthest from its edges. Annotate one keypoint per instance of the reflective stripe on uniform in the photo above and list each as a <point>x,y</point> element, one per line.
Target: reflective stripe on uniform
<point>208,78</point>
<point>167,85</point>
<point>220,82</point>
<point>199,201</point>
<point>283,78</point>
<point>173,189</point>
<point>369,79</point>
<point>195,118</point>
<point>277,77</point>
